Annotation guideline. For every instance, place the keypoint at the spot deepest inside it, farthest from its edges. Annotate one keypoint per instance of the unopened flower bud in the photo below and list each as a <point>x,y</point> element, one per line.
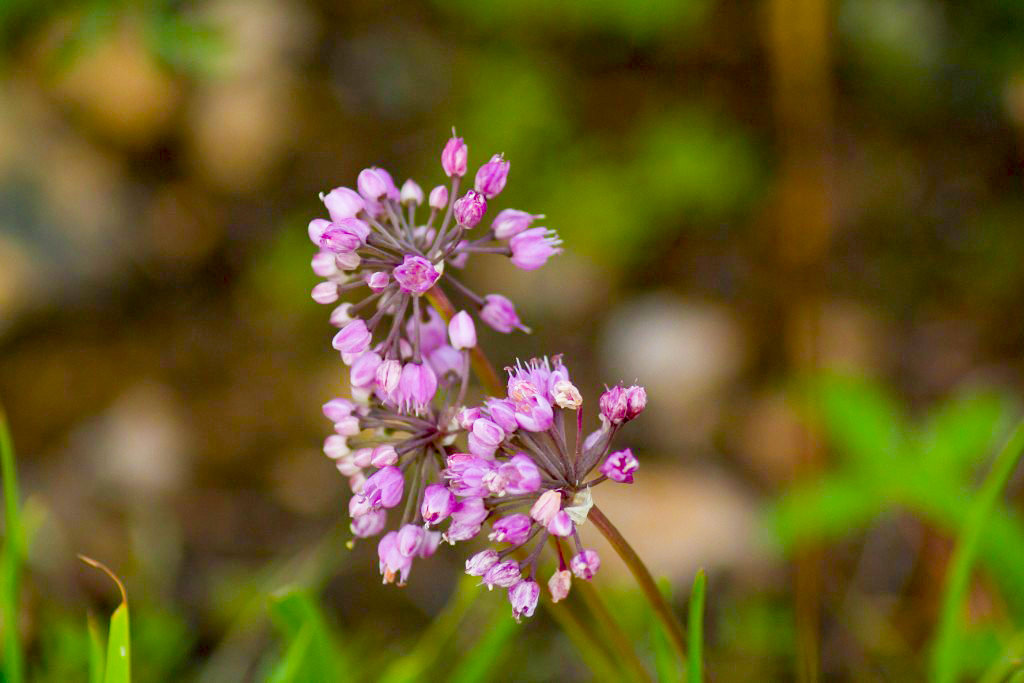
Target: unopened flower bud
<point>325,293</point>
<point>470,208</point>
<point>510,222</point>
<point>411,193</point>
<point>438,503</point>
<point>481,562</point>
<point>524,596</point>
<point>559,585</point>
<point>454,157</point>
<point>461,331</point>
<point>546,507</point>
<point>439,198</point>
<point>560,524</point>
<point>585,564</point>
<point>491,177</point>
<point>372,184</point>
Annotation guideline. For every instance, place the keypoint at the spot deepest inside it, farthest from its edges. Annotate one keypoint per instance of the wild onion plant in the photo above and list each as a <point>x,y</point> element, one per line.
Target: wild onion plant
<point>522,462</point>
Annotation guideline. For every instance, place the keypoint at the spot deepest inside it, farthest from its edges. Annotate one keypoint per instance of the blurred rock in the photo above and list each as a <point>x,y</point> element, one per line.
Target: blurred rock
<point>685,353</point>
<point>769,438</point>
<point>244,120</point>
<point>141,443</point>
<point>678,520</point>
<point>118,87</point>
<point>851,338</point>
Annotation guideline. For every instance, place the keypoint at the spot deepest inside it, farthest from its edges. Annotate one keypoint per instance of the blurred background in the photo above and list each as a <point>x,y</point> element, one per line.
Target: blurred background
<point>797,222</point>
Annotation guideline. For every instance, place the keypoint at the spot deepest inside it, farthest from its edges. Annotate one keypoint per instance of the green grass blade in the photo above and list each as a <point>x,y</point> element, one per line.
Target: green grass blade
<point>428,648</point>
<point>666,665</point>
<point>943,652</point>
<point>1011,660</point>
<point>119,646</point>
<point>295,612</point>
<point>695,629</point>
<point>13,667</point>
<point>481,661</point>
<point>96,648</point>
<point>291,665</point>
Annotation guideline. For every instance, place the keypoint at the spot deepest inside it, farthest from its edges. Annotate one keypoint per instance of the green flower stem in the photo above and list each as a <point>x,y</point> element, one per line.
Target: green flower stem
<point>644,579</point>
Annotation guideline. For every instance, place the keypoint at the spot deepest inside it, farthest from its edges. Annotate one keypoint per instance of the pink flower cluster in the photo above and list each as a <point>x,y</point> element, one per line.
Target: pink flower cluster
<point>406,439</point>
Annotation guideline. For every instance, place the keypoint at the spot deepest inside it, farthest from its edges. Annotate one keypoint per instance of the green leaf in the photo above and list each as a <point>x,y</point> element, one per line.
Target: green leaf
<point>119,650</point>
<point>666,664</point>
<point>860,418</point>
<point>696,629</point>
<point>824,509</point>
<point>13,550</point>
<point>294,611</point>
<point>960,433</point>
<point>290,666</point>
<point>482,660</point>
<point>96,647</point>
<point>1010,661</point>
<point>413,665</point>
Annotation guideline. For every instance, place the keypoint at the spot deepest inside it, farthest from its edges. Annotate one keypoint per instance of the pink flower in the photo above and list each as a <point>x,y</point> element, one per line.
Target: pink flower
<point>470,208</point>
<point>439,198</point>
<point>585,564</point>
<point>500,313</point>
<point>546,506</point>
<point>462,331</point>
<point>438,503</point>
<point>478,564</point>
<point>491,177</point>
<point>511,222</point>
<point>384,488</point>
<point>353,338</point>
<point>560,524</point>
<point>524,596</point>
<point>503,574</point>
<point>372,184</point>
<point>513,529</point>
<point>342,203</point>
<point>559,585</point>
<point>370,524</point>
<point>454,157</point>
<point>416,387</point>
<point>620,466</point>
<point>411,193</point>
<point>532,248</point>
<point>415,275</point>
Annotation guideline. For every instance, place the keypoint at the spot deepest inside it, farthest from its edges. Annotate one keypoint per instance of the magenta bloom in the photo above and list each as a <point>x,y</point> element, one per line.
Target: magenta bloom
<point>416,387</point>
<point>559,585</point>
<point>454,157</point>
<point>372,184</point>
<point>560,524</point>
<point>511,222</point>
<point>620,466</point>
<point>384,488</point>
<point>491,177</point>
<point>512,529</point>
<point>500,313</point>
<point>438,198</point>
<point>392,562</point>
<point>532,248</point>
<point>342,203</point>
<point>585,564</point>
<point>353,338</point>
<point>340,239</point>
<point>503,574</point>
<point>370,524</point>
<point>470,208</point>
<point>387,376</point>
<point>481,562</point>
<point>524,596</point>
<point>416,275</point>
<point>438,503</point>
<point>462,331</point>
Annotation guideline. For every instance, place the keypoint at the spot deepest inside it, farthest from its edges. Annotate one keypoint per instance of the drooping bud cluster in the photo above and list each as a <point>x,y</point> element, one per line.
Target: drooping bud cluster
<point>395,439</point>
<point>532,482</point>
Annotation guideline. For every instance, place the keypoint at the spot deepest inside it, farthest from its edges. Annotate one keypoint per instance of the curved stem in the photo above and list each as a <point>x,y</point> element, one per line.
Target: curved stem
<point>643,577</point>
<point>944,652</point>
